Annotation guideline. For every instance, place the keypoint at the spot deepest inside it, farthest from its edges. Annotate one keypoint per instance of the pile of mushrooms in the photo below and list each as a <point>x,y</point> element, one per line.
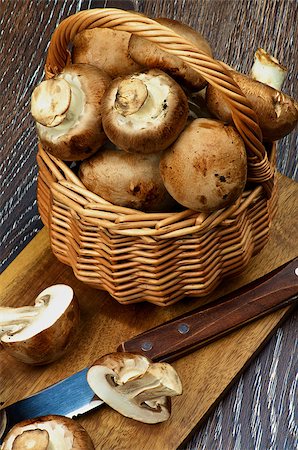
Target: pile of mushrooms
<point>48,433</point>
<point>42,333</point>
<point>152,135</point>
<point>134,386</point>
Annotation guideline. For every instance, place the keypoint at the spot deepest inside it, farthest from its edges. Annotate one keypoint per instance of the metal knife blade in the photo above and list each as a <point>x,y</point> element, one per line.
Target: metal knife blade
<point>69,397</point>
<point>73,396</point>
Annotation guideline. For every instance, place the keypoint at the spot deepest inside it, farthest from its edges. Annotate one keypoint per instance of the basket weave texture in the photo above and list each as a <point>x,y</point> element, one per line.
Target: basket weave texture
<point>157,257</point>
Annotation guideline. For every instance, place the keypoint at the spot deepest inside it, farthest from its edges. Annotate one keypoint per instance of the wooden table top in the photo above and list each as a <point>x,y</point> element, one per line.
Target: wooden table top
<point>258,413</point>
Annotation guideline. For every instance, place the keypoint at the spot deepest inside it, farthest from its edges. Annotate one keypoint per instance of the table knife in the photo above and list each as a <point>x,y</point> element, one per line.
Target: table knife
<point>72,396</point>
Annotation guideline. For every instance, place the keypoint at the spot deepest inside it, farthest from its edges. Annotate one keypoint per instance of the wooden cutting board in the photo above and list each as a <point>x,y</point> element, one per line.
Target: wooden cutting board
<point>206,374</point>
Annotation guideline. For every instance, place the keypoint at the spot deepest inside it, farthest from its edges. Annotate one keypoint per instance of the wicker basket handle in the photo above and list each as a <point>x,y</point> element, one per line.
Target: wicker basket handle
<point>244,118</point>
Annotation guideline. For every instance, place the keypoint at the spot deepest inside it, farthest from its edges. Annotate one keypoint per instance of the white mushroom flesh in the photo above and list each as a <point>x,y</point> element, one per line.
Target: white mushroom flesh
<point>3,422</point>
<point>152,109</point>
<point>19,324</point>
<point>59,436</point>
<point>135,387</point>
<point>63,123</point>
<point>268,70</point>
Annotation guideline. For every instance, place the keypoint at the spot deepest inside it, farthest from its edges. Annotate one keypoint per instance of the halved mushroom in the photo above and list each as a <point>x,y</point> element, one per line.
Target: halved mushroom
<point>277,112</point>
<point>144,112</point>
<point>3,422</point>
<point>134,386</point>
<point>41,333</point>
<point>106,49</point>
<point>127,179</point>
<point>48,433</point>
<point>149,55</point>
<point>205,169</point>
<point>67,110</point>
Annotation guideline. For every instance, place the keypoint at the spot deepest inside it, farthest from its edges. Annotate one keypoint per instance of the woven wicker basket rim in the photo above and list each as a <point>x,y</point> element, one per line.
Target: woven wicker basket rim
<point>71,189</point>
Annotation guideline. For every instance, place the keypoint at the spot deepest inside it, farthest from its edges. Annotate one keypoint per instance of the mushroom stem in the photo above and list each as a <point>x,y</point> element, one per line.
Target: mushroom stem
<point>57,103</point>
<point>268,70</point>
<point>131,96</point>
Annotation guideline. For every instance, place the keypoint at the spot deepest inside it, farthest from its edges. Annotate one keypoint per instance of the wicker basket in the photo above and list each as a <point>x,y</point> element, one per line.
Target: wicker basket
<point>157,257</point>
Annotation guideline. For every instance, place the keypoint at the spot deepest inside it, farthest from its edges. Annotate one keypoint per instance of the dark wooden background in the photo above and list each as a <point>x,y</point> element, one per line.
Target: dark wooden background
<point>260,411</point>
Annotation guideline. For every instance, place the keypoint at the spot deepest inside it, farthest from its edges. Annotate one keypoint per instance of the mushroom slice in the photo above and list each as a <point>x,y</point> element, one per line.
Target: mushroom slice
<point>48,433</point>
<point>205,169</point>
<point>268,70</point>
<point>106,49</point>
<point>127,179</point>
<point>41,333</point>
<point>277,112</point>
<point>144,112</point>
<point>3,422</point>
<point>134,386</point>
<point>149,55</point>
<point>67,110</point>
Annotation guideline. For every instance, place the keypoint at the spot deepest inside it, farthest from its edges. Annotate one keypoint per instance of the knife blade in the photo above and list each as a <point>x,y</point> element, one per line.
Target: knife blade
<point>72,396</point>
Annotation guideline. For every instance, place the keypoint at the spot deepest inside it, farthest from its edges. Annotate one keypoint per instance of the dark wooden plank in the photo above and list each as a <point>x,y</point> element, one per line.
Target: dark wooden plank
<point>267,389</point>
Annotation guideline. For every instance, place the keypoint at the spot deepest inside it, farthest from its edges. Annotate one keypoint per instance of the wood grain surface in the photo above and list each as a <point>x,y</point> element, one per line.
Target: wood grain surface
<point>260,411</point>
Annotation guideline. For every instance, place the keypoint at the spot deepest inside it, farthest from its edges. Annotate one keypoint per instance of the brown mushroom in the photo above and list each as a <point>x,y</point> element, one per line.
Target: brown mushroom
<point>205,169</point>
<point>134,386</point>
<point>149,55</point>
<point>41,333</point>
<point>127,179</point>
<point>48,432</point>
<point>106,49</point>
<point>144,112</point>
<point>277,112</point>
<point>67,110</point>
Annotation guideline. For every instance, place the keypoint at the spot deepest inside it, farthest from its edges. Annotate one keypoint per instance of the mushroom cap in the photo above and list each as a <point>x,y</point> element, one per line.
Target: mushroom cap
<point>277,112</point>
<point>60,432</point>
<point>189,33</point>
<point>71,130</point>
<point>106,49</point>
<point>151,125</point>
<point>134,386</point>
<point>51,332</point>
<point>205,169</point>
<point>149,55</point>
<point>126,179</point>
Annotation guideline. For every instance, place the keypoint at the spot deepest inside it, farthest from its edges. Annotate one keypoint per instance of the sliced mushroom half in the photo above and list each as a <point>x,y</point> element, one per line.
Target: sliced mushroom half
<point>67,111</point>
<point>144,112</point>
<point>149,55</point>
<point>41,333</point>
<point>134,386</point>
<point>48,433</point>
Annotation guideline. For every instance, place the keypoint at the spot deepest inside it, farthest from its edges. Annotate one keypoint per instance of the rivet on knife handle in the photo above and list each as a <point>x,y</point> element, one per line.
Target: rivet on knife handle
<point>186,333</point>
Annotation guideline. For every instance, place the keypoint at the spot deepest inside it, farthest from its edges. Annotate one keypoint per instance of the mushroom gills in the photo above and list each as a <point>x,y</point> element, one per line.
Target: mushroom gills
<point>134,386</point>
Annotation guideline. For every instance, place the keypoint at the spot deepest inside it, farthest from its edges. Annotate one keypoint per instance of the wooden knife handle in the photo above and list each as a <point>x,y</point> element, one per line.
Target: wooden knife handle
<point>201,326</point>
